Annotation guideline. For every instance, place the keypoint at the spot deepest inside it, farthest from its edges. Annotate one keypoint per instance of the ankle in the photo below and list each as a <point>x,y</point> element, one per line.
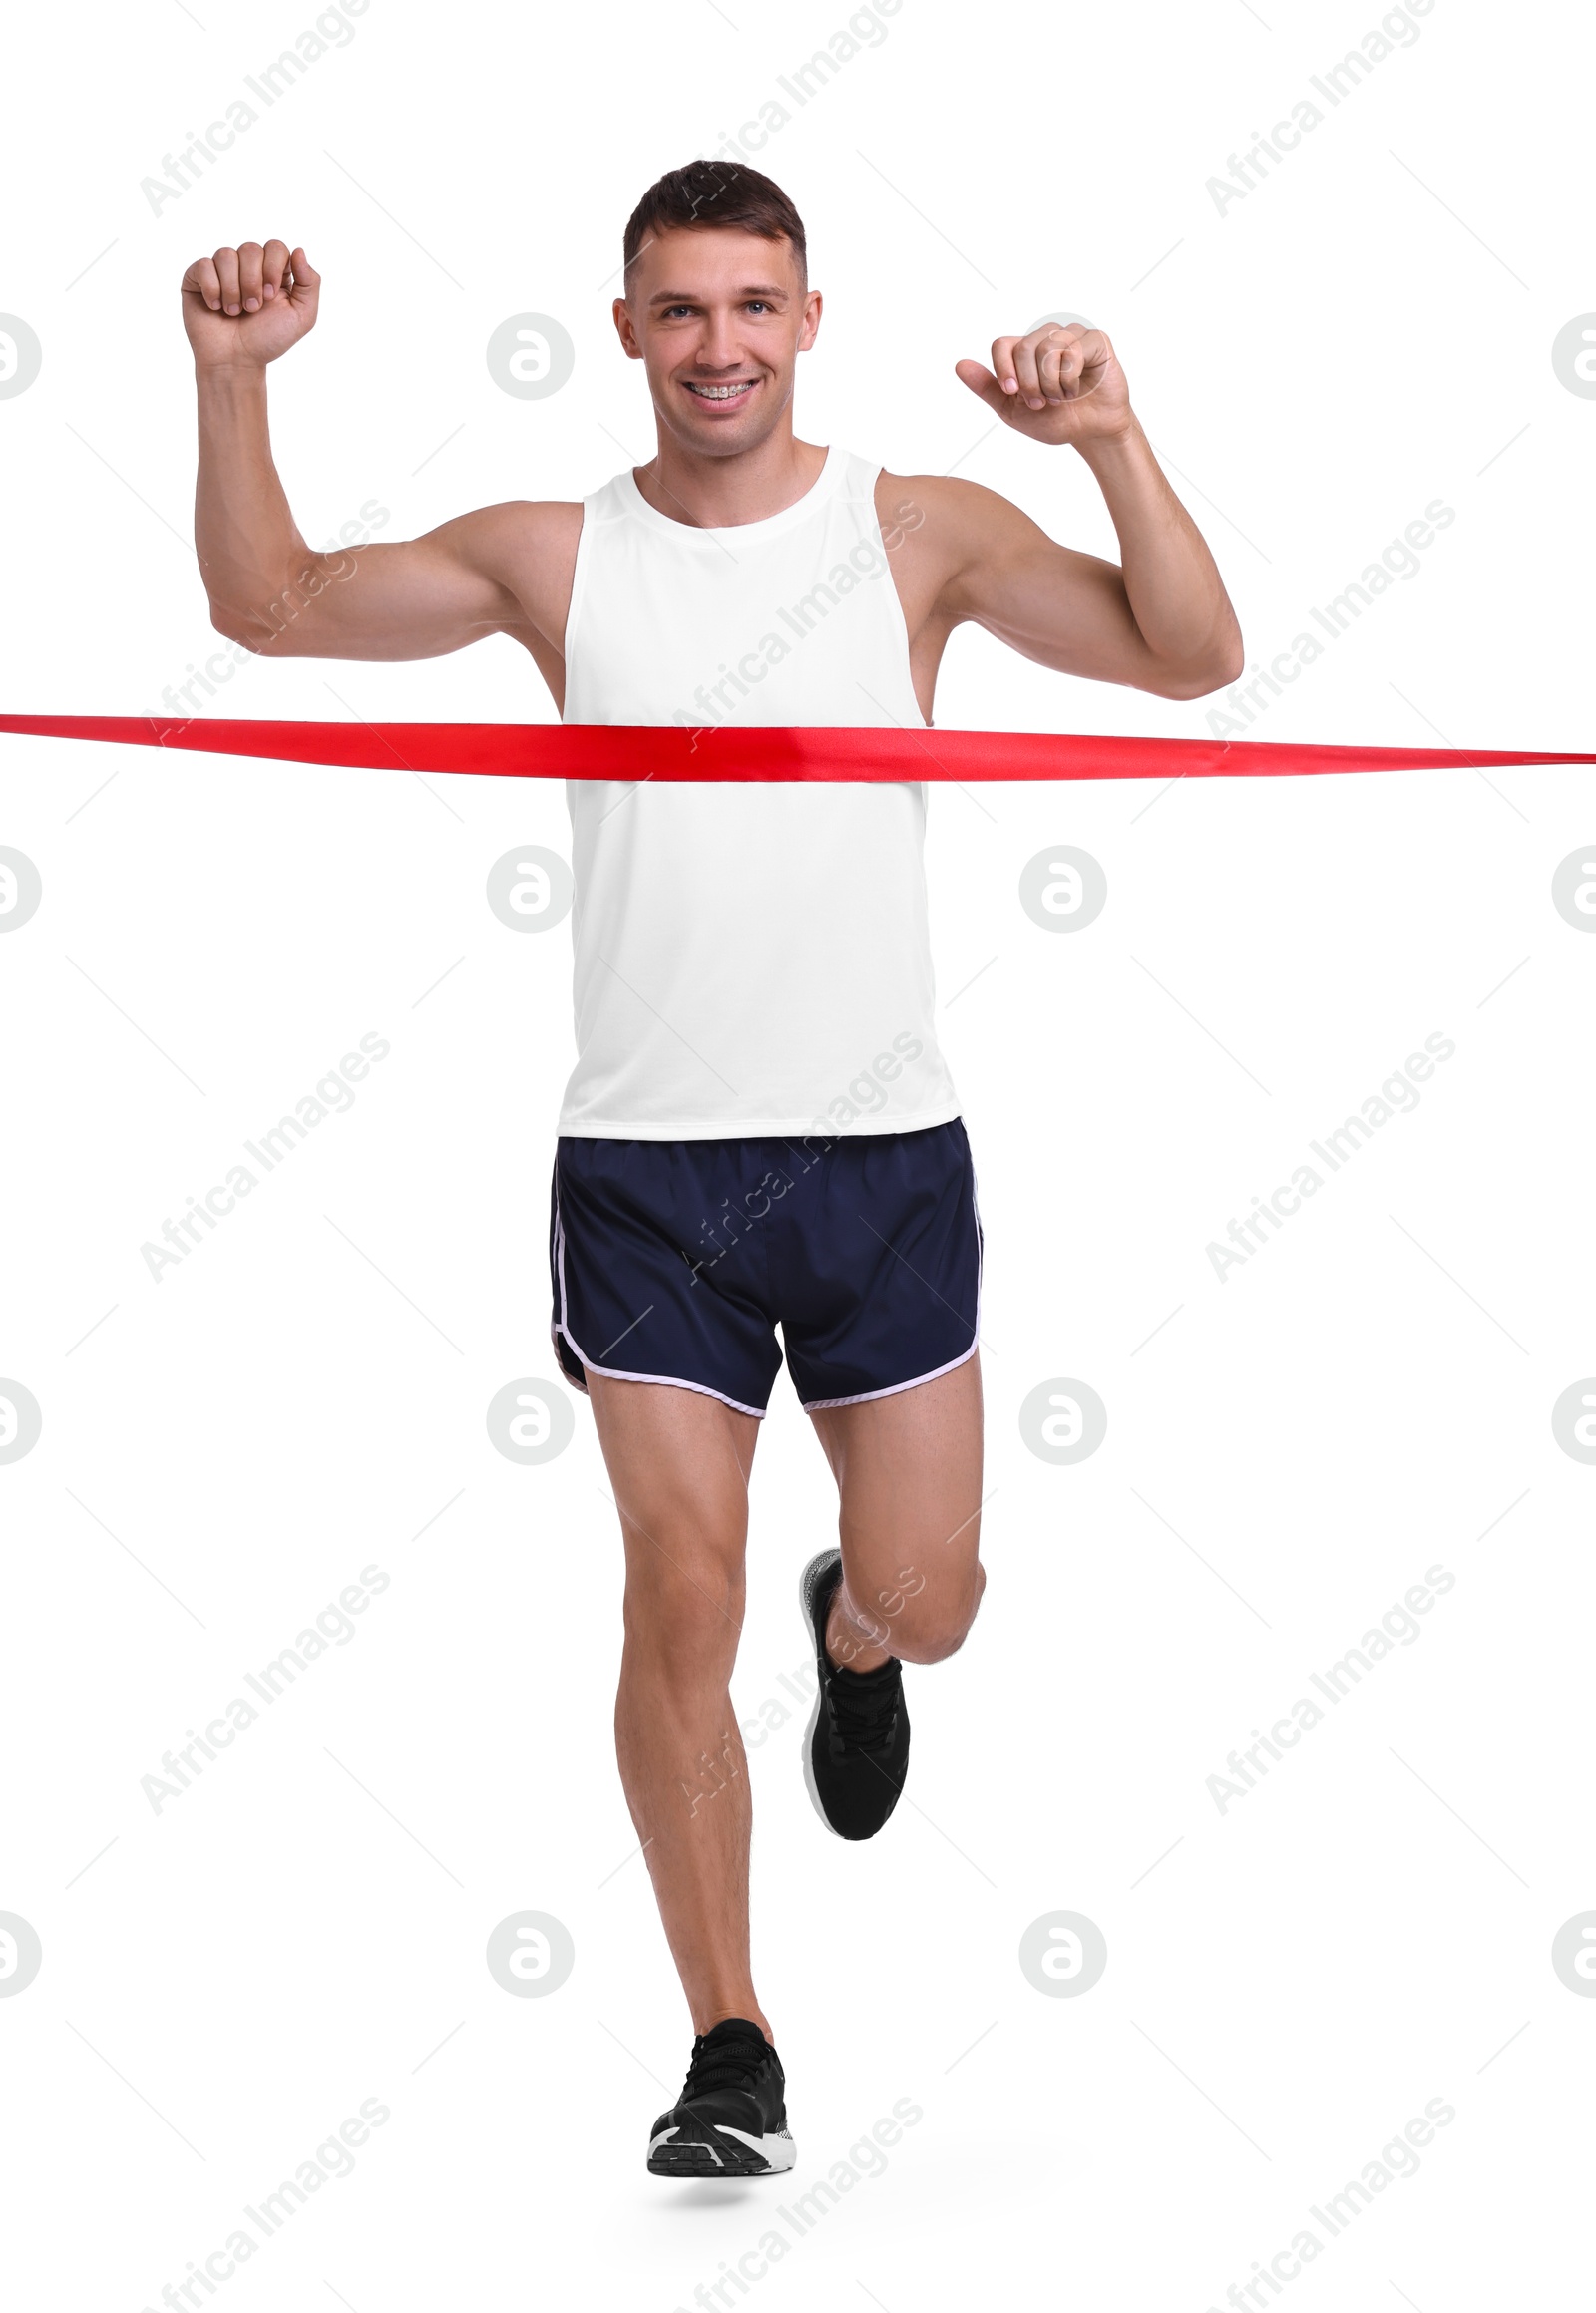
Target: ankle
<point>747,2011</point>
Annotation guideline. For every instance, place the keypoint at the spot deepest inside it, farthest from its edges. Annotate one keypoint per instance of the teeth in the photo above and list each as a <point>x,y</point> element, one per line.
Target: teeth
<point>721,393</point>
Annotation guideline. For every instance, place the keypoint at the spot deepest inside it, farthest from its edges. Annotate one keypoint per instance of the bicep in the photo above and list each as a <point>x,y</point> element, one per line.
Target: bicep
<point>1066,609</point>
<point>403,598</point>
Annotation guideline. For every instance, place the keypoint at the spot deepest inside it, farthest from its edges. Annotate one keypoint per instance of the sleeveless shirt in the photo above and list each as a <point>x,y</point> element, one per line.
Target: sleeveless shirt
<point>751,958</point>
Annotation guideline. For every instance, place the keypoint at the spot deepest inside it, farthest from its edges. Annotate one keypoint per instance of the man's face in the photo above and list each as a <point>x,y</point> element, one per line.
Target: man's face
<point>718,317</point>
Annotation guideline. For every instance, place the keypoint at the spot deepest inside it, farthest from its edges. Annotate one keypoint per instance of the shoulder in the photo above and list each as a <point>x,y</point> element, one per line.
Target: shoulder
<point>946,508</point>
<point>517,525</point>
<point>525,549</point>
<point>517,537</point>
<point>949,514</point>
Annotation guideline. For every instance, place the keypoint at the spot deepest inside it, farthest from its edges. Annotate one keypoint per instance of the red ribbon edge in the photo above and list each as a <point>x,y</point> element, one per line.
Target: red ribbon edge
<point>638,751</point>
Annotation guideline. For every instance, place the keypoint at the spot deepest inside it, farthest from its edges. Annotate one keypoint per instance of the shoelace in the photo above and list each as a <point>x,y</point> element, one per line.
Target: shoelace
<point>864,1713</point>
<point>729,2064</point>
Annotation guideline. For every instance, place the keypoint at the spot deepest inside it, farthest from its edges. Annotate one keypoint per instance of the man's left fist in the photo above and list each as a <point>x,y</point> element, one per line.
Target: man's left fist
<point>1061,383</point>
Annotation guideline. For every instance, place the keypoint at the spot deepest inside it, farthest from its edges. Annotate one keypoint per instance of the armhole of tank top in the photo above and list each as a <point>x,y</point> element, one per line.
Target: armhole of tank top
<point>900,623</point>
<point>579,585</point>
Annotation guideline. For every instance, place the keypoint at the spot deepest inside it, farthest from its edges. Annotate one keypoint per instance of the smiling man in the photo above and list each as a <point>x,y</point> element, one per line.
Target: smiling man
<point>759,1131</point>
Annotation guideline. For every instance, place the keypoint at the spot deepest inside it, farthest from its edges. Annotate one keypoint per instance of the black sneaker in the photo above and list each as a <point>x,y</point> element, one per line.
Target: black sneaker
<point>731,2118</point>
<point>856,1755</point>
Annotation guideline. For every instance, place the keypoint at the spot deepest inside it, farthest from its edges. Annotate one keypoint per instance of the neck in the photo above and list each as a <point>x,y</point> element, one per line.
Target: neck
<point>713,492</point>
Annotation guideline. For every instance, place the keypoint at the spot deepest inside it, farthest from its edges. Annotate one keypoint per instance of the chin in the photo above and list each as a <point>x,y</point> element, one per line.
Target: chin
<point>724,437</point>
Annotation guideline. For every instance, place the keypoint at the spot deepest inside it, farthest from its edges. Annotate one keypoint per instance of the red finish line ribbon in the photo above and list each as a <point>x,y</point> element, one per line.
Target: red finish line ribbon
<point>638,751</point>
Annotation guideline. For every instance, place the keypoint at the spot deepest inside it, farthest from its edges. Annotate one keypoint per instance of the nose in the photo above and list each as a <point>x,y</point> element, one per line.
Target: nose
<point>719,348</point>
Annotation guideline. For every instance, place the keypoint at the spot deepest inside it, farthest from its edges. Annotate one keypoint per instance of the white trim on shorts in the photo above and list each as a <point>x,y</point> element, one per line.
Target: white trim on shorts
<point>558,1325</point>
<point>869,1396</point>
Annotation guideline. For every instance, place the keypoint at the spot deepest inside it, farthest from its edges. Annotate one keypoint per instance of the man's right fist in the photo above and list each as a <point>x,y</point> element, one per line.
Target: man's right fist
<point>244,306</point>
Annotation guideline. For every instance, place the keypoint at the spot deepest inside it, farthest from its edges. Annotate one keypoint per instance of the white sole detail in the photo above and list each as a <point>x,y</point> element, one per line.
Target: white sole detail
<point>778,2152</point>
<point>820,1704</point>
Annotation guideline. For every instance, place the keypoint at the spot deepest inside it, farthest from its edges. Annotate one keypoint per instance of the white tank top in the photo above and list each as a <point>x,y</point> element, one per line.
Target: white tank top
<point>751,958</point>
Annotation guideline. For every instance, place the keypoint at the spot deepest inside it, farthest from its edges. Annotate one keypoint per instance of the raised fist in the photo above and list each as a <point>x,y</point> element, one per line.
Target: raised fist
<point>244,306</point>
<point>1059,383</point>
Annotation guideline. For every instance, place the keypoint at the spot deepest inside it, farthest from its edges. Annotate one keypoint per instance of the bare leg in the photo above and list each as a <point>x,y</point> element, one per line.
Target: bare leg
<point>679,1463</point>
<point>907,1469</point>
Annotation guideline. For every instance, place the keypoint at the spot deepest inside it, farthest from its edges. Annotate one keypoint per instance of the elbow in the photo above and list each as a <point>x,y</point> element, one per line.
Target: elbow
<point>1228,659</point>
<point>1230,664</point>
<point>229,615</point>
<point>267,615</point>
<point>233,628</point>
<point>1217,668</point>
<point>1226,669</point>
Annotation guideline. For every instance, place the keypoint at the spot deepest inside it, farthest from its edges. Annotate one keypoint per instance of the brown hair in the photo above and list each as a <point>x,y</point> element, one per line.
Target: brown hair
<point>713,194</point>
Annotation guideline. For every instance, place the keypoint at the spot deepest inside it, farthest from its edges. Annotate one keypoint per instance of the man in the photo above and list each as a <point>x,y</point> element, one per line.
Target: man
<point>759,1129</point>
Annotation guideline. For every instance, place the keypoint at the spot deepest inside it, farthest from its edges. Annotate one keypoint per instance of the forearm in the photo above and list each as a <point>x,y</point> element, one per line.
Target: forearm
<point>1173,586</point>
<point>245,536</point>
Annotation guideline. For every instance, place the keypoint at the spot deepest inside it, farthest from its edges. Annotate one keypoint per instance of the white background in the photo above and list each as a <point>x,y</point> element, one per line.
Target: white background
<point>1288,1982</point>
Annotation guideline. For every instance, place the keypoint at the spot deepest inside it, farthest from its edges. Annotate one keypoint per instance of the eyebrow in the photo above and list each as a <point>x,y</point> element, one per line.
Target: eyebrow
<point>689,297</point>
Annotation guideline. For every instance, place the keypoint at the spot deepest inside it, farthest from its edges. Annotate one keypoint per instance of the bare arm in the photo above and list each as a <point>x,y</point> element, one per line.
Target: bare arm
<point>497,571</point>
<point>1160,620</point>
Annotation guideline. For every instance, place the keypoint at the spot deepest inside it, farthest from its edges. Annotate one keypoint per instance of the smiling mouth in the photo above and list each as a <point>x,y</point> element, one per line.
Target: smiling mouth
<point>733,392</point>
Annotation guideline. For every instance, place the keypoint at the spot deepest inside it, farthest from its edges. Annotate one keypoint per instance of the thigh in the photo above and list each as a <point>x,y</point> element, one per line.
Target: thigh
<point>908,1470</point>
<point>678,1465</point>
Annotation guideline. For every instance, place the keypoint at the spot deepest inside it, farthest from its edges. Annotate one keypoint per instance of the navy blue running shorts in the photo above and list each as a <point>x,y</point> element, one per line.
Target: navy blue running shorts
<point>675,1261</point>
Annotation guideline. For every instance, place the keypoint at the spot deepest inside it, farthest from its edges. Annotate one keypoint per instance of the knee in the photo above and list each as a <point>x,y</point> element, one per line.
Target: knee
<point>683,1605</point>
<point>934,1621</point>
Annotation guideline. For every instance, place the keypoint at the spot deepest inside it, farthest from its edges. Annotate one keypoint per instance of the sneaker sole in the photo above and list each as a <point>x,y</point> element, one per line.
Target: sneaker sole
<point>820,1697</point>
<point>743,2156</point>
